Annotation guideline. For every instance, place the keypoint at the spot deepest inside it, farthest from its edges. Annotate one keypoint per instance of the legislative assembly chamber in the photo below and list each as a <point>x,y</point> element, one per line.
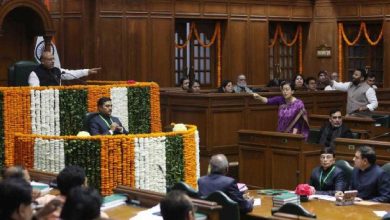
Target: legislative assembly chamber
<point>195,109</point>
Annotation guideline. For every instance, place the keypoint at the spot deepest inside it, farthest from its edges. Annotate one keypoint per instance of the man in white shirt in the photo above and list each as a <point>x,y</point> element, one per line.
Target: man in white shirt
<point>361,97</point>
<point>48,75</point>
<point>334,76</point>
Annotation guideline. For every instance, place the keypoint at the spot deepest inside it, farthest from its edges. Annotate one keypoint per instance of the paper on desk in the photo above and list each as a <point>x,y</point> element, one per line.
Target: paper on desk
<point>380,213</point>
<point>257,202</point>
<point>149,214</point>
<point>323,197</point>
<point>366,202</point>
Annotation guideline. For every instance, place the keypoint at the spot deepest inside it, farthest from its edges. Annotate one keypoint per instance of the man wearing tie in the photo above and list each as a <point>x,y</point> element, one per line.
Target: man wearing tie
<point>103,123</point>
<point>48,75</point>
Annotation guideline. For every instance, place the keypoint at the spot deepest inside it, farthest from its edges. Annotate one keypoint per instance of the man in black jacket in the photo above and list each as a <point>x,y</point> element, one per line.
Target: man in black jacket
<point>104,123</point>
<point>333,129</point>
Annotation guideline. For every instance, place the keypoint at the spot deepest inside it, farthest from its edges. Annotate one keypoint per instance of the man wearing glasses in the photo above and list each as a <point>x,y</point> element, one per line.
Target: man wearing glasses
<point>241,85</point>
<point>333,129</point>
<point>327,179</point>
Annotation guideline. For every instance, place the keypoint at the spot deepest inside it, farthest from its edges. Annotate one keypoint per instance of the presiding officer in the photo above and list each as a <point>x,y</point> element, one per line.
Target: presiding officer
<point>104,123</point>
<point>48,75</point>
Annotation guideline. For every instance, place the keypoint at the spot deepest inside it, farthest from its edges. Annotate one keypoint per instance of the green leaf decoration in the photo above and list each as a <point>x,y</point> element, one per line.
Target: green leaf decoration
<point>174,160</point>
<point>139,109</point>
<point>86,154</point>
<point>73,108</point>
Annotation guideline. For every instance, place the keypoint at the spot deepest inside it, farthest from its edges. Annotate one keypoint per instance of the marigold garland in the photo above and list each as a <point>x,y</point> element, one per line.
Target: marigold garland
<point>117,155</point>
<point>155,108</point>
<point>297,37</point>
<point>216,35</point>
<point>94,94</point>
<point>177,45</point>
<point>342,36</point>
<point>189,152</point>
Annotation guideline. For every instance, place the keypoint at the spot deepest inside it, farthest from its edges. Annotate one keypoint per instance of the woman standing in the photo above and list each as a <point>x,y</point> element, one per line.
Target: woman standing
<point>292,113</point>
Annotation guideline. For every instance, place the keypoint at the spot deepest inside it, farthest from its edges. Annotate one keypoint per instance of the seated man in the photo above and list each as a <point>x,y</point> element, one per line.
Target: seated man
<point>48,75</point>
<point>15,199</point>
<point>241,85</point>
<point>311,84</point>
<point>82,204</point>
<point>103,123</point>
<point>327,178</point>
<point>217,180</point>
<point>333,129</point>
<point>177,206</point>
<point>370,180</point>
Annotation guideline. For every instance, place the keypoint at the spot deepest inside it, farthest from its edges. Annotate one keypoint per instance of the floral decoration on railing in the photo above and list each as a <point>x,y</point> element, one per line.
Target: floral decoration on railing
<point>146,161</point>
<point>61,110</point>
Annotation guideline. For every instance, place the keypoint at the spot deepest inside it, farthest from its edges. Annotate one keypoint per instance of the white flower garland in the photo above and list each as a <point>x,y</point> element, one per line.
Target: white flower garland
<point>49,155</point>
<point>119,105</point>
<point>45,112</point>
<point>197,154</point>
<point>150,163</point>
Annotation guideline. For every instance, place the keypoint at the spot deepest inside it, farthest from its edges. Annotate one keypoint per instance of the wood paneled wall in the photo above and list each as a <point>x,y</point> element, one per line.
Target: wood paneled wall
<point>134,39</point>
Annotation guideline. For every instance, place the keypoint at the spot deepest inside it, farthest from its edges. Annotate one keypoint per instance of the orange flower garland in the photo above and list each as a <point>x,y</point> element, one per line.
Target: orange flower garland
<point>17,118</point>
<point>94,94</point>
<point>177,45</point>
<point>298,36</point>
<point>155,108</point>
<point>117,156</point>
<point>189,152</point>
<point>342,36</point>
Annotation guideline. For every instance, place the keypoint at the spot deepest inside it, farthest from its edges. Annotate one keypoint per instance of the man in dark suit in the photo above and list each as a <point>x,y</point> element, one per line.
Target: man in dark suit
<point>217,180</point>
<point>103,123</point>
<point>333,129</point>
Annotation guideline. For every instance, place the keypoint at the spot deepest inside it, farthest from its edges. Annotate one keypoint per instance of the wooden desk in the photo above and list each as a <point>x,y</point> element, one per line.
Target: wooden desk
<point>324,210</point>
<point>275,160</point>
<point>124,212</point>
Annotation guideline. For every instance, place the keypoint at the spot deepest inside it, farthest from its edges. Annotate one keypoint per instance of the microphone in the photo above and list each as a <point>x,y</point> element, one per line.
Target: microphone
<point>74,77</point>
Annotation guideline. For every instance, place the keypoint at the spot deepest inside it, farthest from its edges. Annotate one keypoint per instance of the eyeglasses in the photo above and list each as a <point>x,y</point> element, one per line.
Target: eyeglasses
<point>326,157</point>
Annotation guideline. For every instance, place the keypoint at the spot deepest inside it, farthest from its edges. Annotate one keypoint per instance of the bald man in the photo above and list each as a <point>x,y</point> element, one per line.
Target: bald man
<point>217,180</point>
<point>48,75</point>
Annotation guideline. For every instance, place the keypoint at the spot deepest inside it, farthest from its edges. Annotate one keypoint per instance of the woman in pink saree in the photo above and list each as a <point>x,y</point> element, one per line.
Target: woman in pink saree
<point>292,113</point>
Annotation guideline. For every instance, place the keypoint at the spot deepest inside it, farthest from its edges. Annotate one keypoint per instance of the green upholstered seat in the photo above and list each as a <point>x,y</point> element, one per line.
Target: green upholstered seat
<point>230,209</point>
<point>19,72</point>
<point>346,168</point>
<point>186,188</point>
<point>386,168</point>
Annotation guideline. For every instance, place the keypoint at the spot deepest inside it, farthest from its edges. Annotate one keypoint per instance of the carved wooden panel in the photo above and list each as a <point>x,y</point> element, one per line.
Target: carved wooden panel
<point>137,49</point>
<point>279,10</point>
<point>109,5</point>
<point>302,11</point>
<point>139,6</point>
<point>238,9</point>
<point>73,6</point>
<point>237,52</point>
<point>324,11</point>
<point>111,51</point>
<point>371,10</point>
<point>187,7</point>
<point>226,123</point>
<point>284,169</point>
<point>162,51</point>
<point>218,8</point>
<point>253,166</point>
<point>162,6</point>
<point>347,10</point>
<point>55,6</point>
<point>73,49</point>
<point>258,10</point>
<point>258,51</point>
